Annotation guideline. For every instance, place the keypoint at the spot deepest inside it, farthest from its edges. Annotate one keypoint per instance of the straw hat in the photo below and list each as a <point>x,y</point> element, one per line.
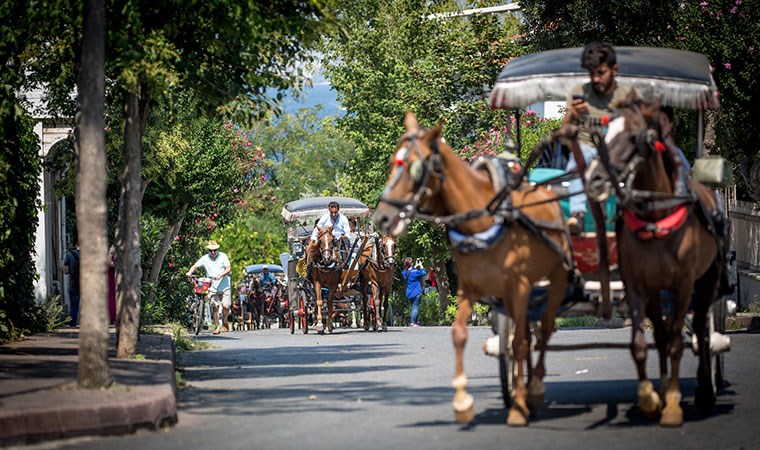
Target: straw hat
<point>212,245</point>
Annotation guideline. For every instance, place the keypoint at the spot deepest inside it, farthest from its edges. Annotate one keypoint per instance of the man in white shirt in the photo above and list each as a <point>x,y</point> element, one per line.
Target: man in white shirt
<point>217,267</point>
<point>338,221</point>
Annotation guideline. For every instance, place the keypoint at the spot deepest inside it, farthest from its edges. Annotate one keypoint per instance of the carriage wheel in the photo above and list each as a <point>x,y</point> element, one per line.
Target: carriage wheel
<point>507,364</point>
<point>198,313</point>
<point>303,313</point>
<point>717,323</point>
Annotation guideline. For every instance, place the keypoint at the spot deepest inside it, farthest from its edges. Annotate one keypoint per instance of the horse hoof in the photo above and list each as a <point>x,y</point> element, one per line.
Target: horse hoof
<point>672,418</point>
<point>466,416</point>
<point>649,402</point>
<point>535,402</point>
<point>384,329</point>
<point>464,407</point>
<point>536,393</point>
<point>516,418</point>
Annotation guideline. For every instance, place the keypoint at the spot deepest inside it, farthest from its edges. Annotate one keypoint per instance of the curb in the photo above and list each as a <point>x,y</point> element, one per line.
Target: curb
<point>143,396</point>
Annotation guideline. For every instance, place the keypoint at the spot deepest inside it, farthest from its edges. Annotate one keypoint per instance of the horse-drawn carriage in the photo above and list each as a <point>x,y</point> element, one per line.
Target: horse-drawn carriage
<point>263,303</point>
<point>334,273</point>
<point>510,242</point>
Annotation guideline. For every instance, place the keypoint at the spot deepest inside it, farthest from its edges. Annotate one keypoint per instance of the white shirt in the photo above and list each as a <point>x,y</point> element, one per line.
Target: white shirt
<point>340,226</point>
<point>214,268</point>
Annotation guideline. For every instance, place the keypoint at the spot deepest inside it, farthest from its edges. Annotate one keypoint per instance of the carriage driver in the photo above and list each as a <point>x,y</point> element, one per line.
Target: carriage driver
<point>338,221</point>
<point>587,105</point>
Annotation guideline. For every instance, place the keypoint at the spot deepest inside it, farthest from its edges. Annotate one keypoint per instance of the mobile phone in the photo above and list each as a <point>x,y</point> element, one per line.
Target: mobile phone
<point>578,97</point>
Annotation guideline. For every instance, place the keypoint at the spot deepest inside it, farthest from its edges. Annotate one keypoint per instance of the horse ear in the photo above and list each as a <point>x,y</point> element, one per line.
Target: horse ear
<point>437,132</point>
<point>410,122</point>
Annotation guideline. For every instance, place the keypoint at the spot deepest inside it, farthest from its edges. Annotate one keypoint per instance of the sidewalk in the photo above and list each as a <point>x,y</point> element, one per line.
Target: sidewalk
<point>39,399</point>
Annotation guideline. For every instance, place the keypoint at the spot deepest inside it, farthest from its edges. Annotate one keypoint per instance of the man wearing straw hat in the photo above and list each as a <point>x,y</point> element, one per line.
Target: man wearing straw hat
<point>217,267</point>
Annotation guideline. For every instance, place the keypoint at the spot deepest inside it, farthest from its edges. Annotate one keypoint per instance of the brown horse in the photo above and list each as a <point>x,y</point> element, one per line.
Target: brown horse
<point>529,242</point>
<point>325,269</point>
<point>377,263</point>
<point>668,248</point>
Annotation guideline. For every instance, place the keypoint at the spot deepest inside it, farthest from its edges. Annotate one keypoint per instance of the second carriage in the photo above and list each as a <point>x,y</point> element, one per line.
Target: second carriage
<point>300,219</point>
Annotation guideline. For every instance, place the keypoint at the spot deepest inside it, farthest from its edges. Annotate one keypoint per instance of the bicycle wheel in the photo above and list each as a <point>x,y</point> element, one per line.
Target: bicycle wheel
<point>198,313</point>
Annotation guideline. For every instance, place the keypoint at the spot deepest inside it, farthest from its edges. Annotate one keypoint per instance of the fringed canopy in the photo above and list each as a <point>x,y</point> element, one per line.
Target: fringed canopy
<point>678,78</point>
<point>315,207</point>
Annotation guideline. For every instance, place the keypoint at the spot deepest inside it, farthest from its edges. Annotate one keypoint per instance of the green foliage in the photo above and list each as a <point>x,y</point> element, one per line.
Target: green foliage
<point>575,23</point>
<point>533,128</point>
<point>479,312</point>
<point>52,313</point>
<point>19,184</point>
<point>392,59</point>
<point>430,309</point>
<point>305,156</point>
<point>728,33</point>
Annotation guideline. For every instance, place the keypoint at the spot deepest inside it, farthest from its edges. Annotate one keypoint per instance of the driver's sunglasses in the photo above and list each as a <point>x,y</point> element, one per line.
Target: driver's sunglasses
<point>213,251</point>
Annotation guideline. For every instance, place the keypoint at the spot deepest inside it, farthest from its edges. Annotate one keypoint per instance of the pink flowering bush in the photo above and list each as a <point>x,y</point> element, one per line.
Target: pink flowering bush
<point>533,128</point>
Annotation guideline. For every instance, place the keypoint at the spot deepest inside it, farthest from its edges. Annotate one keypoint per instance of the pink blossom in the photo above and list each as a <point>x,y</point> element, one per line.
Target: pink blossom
<point>727,65</point>
<point>176,238</point>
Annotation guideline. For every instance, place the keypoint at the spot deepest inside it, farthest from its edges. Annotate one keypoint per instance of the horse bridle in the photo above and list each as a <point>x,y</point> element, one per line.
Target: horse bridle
<point>645,142</point>
<point>420,170</point>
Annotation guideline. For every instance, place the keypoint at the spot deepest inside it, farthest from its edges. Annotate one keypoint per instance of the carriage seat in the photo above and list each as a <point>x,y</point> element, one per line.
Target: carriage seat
<point>541,174</point>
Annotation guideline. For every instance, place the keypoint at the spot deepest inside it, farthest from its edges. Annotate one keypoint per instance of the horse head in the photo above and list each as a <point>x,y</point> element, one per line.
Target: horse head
<point>416,176</point>
<point>387,247</point>
<point>326,244</point>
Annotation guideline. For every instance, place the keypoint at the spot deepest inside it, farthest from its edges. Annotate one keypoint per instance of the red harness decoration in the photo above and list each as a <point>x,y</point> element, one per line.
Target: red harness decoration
<point>663,227</point>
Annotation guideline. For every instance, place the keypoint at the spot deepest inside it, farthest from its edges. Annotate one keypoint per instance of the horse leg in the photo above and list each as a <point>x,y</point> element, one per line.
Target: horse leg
<point>330,301</point>
<point>705,291</point>
<point>672,414</point>
<point>363,283</point>
<point>463,403</point>
<point>648,400</point>
<point>385,292</point>
<point>519,412</point>
<point>536,388</point>
<point>376,293</point>
<point>318,293</point>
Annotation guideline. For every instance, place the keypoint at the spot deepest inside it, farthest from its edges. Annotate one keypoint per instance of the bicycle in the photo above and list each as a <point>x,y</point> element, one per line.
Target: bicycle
<point>200,289</point>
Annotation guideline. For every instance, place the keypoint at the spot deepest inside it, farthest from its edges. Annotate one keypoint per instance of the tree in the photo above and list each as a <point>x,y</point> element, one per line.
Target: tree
<point>93,370</point>
<point>394,58</point>
<point>225,54</point>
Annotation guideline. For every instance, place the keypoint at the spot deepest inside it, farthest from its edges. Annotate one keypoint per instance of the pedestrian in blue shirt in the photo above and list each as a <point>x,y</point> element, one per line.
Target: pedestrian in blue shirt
<point>412,277</point>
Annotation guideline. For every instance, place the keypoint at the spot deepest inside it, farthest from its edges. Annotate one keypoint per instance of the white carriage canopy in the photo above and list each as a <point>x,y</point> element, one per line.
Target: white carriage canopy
<point>315,207</point>
<point>679,78</point>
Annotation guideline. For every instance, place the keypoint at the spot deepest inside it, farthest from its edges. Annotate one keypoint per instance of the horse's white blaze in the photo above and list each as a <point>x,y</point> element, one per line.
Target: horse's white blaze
<point>614,128</point>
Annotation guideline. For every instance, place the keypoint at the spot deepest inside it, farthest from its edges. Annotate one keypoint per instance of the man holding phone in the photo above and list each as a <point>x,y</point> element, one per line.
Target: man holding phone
<point>587,105</point>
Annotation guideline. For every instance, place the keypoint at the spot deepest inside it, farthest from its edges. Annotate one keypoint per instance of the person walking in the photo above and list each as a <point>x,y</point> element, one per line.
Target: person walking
<point>412,277</point>
<point>71,268</point>
<point>217,267</point>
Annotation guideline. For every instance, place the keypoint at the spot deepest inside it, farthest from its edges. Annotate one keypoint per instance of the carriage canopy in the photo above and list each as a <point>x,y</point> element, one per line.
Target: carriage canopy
<point>315,207</point>
<point>256,268</point>
<point>678,78</point>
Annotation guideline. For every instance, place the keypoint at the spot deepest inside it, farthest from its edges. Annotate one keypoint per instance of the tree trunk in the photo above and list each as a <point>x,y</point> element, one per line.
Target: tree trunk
<point>158,260</point>
<point>708,143</point>
<point>128,270</point>
<point>93,370</point>
<point>442,279</point>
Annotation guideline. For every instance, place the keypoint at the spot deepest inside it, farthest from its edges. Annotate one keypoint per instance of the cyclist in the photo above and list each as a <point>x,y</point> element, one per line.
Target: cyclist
<point>217,267</point>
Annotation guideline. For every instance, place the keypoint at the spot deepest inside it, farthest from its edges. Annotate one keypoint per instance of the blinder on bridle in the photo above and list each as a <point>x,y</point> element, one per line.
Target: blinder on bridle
<point>420,170</point>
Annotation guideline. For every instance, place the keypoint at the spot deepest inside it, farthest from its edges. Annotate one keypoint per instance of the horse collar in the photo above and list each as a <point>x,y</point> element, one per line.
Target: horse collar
<point>646,230</point>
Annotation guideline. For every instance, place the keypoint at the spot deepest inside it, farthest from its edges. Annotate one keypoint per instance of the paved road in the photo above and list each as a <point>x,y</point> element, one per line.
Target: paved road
<point>272,390</point>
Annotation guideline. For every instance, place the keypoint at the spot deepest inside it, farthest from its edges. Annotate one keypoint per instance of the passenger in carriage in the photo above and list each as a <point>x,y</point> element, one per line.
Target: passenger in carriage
<point>587,105</point>
<point>339,223</point>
